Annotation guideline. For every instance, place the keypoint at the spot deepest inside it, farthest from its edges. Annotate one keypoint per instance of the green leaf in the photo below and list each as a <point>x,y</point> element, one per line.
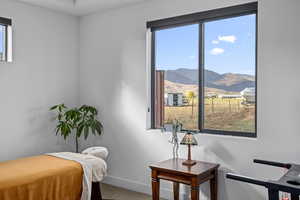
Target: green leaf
<point>57,131</point>
<point>93,128</point>
<point>53,107</point>
<point>99,127</point>
<point>80,129</point>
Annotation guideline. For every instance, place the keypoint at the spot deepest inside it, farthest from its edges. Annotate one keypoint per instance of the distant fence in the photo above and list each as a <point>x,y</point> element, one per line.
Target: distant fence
<point>214,104</point>
<point>218,104</point>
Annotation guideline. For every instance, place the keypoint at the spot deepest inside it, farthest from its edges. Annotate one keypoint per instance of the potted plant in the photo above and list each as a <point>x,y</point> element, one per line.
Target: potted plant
<point>82,120</point>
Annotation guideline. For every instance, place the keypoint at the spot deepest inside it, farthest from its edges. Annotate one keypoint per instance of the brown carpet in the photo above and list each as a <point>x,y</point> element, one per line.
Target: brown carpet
<point>114,193</point>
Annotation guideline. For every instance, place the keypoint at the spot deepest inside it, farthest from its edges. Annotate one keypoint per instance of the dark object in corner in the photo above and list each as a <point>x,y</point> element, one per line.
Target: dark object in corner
<point>5,21</point>
<point>96,191</point>
<point>289,182</point>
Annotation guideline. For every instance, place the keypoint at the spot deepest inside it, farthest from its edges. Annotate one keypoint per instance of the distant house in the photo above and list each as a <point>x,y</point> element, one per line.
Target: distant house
<point>249,94</point>
<point>211,95</point>
<point>229,96</point>
<point>174,99</point>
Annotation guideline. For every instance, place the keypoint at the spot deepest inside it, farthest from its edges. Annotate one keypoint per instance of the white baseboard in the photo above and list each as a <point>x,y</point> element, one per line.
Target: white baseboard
<point>138,187</point>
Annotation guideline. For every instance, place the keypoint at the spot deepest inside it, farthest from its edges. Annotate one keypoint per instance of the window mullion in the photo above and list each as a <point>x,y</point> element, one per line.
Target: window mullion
<point>201,77</point>
<point>6,43</point>
<point>153,124</point>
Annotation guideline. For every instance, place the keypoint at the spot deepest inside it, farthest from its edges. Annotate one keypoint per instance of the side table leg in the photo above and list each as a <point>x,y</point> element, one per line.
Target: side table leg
<point>214,186</point>
<point>195,192</point>
<point>295,196</point>
<point>273,194</point>
<point>176,190</point>
<point>155,189</point>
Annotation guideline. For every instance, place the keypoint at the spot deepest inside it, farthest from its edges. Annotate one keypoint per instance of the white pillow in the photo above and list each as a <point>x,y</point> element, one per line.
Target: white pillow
<point>99,152</point>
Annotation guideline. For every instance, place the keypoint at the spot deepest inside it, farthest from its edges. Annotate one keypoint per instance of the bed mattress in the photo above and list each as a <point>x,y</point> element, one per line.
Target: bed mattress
<point>40,178</point>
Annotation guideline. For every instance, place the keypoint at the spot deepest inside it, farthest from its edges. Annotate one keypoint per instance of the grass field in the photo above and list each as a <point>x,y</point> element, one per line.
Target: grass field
<point>220,114</point>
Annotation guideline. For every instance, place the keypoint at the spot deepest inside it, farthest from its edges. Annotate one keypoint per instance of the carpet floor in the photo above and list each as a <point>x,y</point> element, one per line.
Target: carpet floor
<point>114,193</point>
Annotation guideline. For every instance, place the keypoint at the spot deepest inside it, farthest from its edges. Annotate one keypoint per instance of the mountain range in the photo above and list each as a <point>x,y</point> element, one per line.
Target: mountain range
<point>229,82</point>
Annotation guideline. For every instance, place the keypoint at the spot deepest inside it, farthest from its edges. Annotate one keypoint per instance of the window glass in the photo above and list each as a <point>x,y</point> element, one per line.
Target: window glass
<point>176,76</point>
<point>229,74</point>
<point>2,42</point>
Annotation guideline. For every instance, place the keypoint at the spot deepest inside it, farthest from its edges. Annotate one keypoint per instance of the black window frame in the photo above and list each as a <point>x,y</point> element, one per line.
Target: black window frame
<point>5,22</point>
<point>201,18</point>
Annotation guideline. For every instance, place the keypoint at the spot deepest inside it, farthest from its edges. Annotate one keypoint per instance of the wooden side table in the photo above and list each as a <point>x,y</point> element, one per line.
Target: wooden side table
<point>173,170</point>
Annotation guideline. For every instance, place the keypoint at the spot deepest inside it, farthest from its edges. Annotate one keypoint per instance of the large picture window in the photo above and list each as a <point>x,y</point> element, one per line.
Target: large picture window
<point>203,71</point>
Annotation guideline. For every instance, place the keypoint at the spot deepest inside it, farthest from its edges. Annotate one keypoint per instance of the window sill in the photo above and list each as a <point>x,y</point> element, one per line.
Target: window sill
<point>213,133</point>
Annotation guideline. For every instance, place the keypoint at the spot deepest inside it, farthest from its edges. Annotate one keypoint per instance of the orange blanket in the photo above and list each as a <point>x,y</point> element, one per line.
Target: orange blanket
<point>40,178</point>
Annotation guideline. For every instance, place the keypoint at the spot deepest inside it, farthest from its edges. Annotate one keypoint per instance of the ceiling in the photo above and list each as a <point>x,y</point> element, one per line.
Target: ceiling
<point>81,7</point>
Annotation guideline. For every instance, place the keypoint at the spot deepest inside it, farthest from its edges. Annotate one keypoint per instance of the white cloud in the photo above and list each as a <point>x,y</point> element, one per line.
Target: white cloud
<point>192,57</point>
<point>215,42</point>
<point>217,51</point>
<point>227,38</point>
<point>249,72</point>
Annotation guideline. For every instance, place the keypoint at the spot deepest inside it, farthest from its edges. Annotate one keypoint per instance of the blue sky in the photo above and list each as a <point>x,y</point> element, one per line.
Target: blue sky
<point>229,46</point>
<point>1,38</point>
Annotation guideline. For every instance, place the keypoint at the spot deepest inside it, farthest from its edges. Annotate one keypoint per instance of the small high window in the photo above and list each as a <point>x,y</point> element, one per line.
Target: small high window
<point>203,71</point>
<point>5,40</point>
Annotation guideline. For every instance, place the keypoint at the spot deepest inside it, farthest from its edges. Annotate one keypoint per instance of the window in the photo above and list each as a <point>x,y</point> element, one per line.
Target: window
<point>2,42</point>
<point>5,40</point>
<point>203,71</point>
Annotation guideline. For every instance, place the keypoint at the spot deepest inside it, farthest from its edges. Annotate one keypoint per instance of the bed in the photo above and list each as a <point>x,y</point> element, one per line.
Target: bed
<point>43,177</point>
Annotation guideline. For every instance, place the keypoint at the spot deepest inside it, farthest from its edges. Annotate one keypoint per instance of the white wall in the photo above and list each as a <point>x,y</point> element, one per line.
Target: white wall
<point>113,73</point>
<point>44,72</point>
